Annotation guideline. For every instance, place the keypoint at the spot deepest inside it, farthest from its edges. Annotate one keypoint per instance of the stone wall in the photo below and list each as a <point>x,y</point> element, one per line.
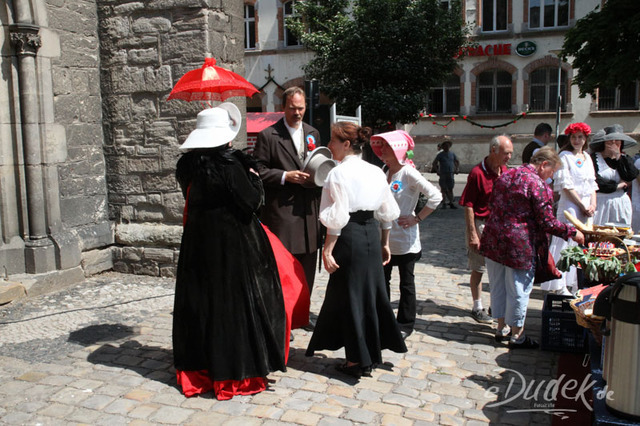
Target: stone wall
<point>78,108</point>
<point>54,225</point>
<point>145,48</point>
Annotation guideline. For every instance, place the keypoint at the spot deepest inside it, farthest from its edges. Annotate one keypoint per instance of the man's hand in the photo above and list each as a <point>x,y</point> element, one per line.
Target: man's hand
<point>296,176</point>
<point>474,242</point>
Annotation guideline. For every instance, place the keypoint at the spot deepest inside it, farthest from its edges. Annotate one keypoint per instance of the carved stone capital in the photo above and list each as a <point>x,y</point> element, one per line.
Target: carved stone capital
<point>25,39</point>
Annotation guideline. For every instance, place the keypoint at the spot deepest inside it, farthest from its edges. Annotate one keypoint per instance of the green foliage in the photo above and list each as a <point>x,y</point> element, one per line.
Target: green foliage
<point>596,269</point>
<point>606,46</point>
<point>382,54</point>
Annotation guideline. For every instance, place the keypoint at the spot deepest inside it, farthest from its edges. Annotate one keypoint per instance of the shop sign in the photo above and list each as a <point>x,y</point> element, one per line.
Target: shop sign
<point>526,48</point>
<point>488,50</point>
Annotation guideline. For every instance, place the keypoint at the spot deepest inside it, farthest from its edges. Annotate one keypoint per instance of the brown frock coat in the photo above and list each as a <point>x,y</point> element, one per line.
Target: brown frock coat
<point>291,210</point>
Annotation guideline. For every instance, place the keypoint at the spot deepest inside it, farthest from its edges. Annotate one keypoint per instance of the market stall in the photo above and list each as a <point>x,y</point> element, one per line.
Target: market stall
<point>608,305</point>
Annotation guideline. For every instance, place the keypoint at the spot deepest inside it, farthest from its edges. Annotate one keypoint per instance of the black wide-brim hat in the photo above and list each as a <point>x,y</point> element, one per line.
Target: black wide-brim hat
<point>614,132</point>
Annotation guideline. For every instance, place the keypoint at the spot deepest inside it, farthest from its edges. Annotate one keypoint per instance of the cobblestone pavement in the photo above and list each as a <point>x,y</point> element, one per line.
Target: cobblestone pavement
<point>100,353</point>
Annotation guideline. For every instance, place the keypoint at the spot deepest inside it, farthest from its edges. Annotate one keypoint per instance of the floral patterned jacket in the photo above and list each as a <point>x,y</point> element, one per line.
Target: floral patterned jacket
<point>521,217</point>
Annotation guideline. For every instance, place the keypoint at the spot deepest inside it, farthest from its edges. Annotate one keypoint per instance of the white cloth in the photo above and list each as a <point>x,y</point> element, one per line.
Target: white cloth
<point>406,185</point>
<point>577,174</point>
<point>355,185</point>
<point>613,207</point>
<point>297,136</point>
<point>635,201</point>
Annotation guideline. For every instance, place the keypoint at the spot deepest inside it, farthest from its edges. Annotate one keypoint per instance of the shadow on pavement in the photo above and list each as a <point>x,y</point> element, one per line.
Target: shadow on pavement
<point>324,365</point>
<point>519,392</point>
<point>151,362</point>
<point>101,333</point>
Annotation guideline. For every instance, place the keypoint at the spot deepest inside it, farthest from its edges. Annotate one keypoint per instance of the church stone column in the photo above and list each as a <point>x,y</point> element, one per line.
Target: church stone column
<point>39,250</point>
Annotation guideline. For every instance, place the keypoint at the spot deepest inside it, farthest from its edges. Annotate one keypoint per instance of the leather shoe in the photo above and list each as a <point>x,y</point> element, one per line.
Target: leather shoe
<point>366,371</point>
<point>352,370</point>
<point>309,327</point>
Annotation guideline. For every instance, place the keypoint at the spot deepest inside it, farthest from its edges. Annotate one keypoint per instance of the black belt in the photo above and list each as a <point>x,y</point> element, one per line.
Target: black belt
<point>361,216</point>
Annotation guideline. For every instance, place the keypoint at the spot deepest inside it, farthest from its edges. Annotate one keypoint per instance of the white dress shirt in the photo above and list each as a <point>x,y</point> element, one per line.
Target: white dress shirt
<point>355,185</point>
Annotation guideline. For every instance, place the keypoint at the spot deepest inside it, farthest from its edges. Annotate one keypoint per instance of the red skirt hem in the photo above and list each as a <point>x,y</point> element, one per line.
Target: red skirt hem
<point>199,382</point>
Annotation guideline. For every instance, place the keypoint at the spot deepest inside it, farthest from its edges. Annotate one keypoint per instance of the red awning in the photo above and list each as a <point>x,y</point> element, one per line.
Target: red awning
<point>258,121</point>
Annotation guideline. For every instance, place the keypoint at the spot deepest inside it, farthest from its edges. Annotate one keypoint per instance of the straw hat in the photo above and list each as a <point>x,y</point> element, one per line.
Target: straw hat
<point>611,133</point>
<point>214,127</point>
<point>399,141</point>
<point>318,164</point>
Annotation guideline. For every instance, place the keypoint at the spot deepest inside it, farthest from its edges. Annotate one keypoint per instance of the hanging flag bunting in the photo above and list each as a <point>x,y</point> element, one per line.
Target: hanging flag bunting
<point>475,123</point>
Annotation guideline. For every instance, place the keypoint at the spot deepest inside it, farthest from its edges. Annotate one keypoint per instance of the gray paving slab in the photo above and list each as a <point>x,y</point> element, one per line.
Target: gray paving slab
<point>100,353</point>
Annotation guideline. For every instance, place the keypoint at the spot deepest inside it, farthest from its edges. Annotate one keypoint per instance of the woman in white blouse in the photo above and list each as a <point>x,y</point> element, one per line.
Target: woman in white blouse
<point>576,183</point>
<point>406,183</point>
<point>356,203</point>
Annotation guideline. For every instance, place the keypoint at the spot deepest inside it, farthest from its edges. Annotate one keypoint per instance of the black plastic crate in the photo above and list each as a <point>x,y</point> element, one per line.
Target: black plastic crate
<point>560,332</point>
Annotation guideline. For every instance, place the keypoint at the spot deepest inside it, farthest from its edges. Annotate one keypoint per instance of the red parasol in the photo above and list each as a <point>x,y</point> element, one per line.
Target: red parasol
<point>211,83</point>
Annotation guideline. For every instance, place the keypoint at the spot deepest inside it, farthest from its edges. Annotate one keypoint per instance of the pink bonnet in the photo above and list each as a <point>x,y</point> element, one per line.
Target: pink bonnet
<point>399,141</point>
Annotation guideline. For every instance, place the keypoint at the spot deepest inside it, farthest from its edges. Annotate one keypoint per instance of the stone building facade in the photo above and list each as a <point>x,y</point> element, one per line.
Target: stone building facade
<point>512,70</point>
<point>88,142</point>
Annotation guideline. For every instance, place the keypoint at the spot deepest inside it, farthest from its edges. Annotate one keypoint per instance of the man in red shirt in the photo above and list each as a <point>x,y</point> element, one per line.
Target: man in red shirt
<point>475,200</point>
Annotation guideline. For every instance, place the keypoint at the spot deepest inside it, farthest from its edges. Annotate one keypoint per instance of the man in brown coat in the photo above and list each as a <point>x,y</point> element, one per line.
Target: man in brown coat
<point>291,208</point>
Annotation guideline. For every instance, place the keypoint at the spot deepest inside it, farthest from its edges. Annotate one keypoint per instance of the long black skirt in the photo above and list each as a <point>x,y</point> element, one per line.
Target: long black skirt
<point>356,313</point>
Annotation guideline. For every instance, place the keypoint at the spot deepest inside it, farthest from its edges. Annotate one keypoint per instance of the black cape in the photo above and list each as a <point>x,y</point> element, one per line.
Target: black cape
<point>229,316</point>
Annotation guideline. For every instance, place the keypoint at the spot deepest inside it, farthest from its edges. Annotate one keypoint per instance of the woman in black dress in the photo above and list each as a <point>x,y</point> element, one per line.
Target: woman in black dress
<point>356,313</point>
<point>229,318</point>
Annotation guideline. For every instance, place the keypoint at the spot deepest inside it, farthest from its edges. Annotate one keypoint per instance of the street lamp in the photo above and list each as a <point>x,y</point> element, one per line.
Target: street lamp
<point>559,98</point>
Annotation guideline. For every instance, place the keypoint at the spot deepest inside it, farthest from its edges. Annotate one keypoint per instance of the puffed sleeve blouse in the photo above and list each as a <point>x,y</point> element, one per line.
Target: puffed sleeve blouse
<point>576,173</point>
<point>352,186</point>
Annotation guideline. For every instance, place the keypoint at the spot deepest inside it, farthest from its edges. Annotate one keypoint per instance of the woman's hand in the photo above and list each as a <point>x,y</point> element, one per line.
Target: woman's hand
<point>330,264</point>
<point>386,254</point>
<point>408,221</point>
<point>589,211</point>
<point>623,185</point>
<point>611,150</point>
<point>579,237</point>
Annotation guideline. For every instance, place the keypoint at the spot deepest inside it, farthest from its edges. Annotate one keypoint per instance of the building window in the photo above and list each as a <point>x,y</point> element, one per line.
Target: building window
<point>446,98</point>
<point>543,89</point>
<point>445,4</point>
<point>289,38</point>
<point>494,15</point>
<point>623,97</point>
<point>494,91</point>
<point>548,13</point>
<point>249,26</point>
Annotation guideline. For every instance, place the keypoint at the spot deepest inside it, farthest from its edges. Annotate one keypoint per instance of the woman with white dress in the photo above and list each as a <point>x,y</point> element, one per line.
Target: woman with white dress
<point>357,208</point>
<point>576,183</point>
<point>614,173</point>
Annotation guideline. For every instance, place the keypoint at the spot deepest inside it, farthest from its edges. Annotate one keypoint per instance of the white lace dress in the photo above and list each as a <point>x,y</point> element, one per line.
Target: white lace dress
<point>577,174</point>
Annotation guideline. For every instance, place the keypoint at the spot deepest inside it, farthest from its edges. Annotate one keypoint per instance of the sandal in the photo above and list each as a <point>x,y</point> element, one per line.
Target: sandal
<point>527,343</point>
<point>502,337</point>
